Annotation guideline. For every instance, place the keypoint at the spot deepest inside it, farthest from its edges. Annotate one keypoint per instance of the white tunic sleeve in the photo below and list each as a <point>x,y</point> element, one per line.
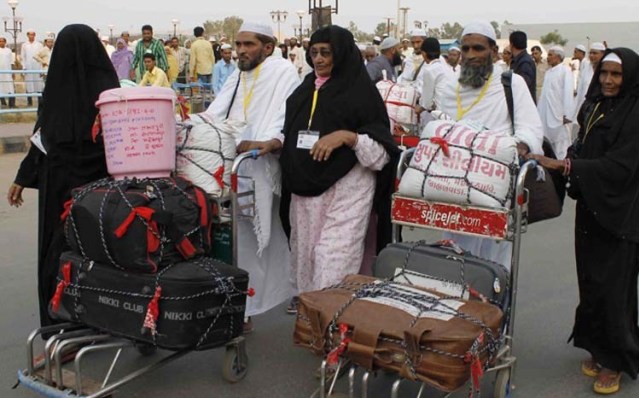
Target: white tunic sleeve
<point>528,127</point>
<point>370,153</point>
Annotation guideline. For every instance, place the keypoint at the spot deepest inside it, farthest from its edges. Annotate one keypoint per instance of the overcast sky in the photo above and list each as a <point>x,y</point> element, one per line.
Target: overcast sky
<point>52,15</point>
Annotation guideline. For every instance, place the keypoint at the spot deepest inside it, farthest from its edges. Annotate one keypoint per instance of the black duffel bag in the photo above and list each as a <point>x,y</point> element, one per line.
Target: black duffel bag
<point>197,304</point>
<point>139,225</point>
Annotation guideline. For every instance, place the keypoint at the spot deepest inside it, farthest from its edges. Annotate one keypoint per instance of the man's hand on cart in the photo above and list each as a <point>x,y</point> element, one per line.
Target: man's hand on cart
<point>264,147</point>
<point>523,149</point>
<point>326,145</point>
<point>14,196</point>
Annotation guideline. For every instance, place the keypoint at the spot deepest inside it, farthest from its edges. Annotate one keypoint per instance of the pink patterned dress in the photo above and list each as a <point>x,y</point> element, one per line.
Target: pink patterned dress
<point>328,231</point>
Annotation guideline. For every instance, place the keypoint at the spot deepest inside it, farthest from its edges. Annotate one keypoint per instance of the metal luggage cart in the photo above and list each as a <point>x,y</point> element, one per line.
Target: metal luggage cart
<point>51,378</point>
<point>505,224</point>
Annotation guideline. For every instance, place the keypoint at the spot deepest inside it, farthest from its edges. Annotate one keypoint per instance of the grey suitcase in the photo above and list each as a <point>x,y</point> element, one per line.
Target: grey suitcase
<point>443,266</point>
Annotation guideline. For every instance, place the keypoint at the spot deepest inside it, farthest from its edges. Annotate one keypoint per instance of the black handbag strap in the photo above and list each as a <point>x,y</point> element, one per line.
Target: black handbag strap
<point>239,77</point>
<point>507,82</point>
<point>418,70</point>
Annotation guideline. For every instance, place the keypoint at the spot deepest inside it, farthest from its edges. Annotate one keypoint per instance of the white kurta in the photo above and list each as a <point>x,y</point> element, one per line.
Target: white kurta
<point>411,66</point>
<point>33,82</point>
<point>556,102</point>
<point>492,112</point>
<point>585,76</point>
<point>263,247</point>
<point>435,80</point>
<point>6,80</point>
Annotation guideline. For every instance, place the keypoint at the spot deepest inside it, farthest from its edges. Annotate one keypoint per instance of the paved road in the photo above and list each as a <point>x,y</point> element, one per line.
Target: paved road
<point>548,366</point>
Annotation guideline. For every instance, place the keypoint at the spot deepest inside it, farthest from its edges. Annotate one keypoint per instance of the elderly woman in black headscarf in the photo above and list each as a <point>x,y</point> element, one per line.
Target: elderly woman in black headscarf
<point>603,176</point>
<point>336,159</point>
<point>79,71</point>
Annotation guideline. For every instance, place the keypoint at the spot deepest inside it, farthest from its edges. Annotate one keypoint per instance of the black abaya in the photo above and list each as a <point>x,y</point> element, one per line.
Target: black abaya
<point>79,71</point>
<point>605,181</point>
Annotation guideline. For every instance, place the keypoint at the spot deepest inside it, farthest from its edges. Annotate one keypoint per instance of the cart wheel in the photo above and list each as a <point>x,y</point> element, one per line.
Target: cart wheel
<point>146,349</point>
<point>235,366</point>
<point>502,384</point>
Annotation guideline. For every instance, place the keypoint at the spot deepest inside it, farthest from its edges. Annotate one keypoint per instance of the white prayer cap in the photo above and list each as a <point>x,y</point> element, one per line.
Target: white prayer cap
<point>30,31</point>
<point>50,36</point>
<point>226,47</point>
<point>306,39</point>
<point>581,48</point>
<point>481,28</point>
<point>259,28</point>
<point>361,47</point>
<point>388,42</point>
<point>597,46</point>
<point>612,57</point>
<point>418,33</point>
<point>559,50</point>
<point>104,38</point>
<point>405,40</point>
<point>212,38</point>
<point>454,48</point>
<point>377,38</point>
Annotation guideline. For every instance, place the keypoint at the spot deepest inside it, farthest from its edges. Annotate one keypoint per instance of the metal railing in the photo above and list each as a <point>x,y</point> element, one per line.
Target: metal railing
<point>5,110</point>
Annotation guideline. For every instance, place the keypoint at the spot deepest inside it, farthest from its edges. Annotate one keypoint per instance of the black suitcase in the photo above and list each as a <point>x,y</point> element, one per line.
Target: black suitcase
<point>444,267</point>
<point>139,225</point>
<point>198,304</point>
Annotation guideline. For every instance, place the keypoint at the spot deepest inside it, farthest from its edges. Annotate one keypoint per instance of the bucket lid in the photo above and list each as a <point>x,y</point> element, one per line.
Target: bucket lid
<point>135,94</point>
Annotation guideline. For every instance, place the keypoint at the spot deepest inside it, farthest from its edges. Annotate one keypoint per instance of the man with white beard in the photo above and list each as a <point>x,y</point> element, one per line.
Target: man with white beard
<point>556,102</point>
<point>256,92</point>
<point>30,48</point>
<point>479,95</point>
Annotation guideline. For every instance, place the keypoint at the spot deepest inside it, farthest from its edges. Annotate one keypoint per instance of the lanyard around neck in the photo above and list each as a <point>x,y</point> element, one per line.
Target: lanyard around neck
<point>313,106</point>
<point>249,96</point>
<point>591,123</point>
<point>460,110</point>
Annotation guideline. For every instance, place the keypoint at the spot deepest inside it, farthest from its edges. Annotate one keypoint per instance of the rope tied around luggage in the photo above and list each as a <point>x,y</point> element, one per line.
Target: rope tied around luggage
<point>227,162</point>
<point>444,147</point>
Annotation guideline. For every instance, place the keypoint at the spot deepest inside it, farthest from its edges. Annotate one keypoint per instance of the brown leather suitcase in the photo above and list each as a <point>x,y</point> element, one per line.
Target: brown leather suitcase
<point>415,332</point>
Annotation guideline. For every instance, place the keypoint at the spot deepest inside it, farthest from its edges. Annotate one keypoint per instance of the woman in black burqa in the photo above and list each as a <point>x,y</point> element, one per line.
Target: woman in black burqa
<point>334,182</point>
<point>79,71</point>
<point>603,176</point>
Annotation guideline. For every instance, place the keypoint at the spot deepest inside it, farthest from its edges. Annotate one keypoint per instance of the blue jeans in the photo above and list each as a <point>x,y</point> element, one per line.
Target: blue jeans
<point>204,79</point>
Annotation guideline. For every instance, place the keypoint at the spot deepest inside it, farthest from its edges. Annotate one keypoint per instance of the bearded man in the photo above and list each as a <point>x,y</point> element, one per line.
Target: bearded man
<point>389,58</point>
<point>481,98</point>
<point>256,92</point>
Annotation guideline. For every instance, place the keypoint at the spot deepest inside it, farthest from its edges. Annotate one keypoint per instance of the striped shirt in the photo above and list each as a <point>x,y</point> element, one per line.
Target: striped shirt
<point>156,49</point>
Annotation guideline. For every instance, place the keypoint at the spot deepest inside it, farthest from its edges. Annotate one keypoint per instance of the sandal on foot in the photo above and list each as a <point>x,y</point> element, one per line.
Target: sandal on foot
<point>292,306</point>
<point>607,383</point>
<point>248,326</point>
<point>590,368</point>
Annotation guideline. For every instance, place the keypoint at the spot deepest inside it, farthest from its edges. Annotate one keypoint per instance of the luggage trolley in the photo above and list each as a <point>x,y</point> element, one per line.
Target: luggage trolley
<point>498,224</point>
<point>50,378</point>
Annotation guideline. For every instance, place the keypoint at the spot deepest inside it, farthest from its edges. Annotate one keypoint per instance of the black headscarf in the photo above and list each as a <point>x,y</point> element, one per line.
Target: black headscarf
<point>606,174</point>
<point>347,101</point>
<point>79,71</point>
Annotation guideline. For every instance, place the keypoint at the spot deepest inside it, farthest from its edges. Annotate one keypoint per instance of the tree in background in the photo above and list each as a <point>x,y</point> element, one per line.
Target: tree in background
<point>228,27</point>
<point>553,38</point>
<point>382,29</point>
<point>359,35</point>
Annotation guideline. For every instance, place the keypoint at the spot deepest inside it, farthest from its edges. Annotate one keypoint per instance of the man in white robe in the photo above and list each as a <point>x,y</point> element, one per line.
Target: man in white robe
<point>586,71</point>
<point>556,103</point>
<point>256,92</point>
<point>29,49</point>
<point>413,70</point>
<point>44,56</point>
<point>491,110</point>
<point>6,79</point>
<point>436,75</point>
<point>453,62</point>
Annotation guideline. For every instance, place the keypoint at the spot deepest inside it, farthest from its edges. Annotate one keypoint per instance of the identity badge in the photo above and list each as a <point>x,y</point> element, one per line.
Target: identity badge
<point>306,139</point>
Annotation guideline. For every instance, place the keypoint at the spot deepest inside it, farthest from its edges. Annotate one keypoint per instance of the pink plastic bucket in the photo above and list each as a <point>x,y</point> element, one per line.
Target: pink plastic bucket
<point>138,125</point>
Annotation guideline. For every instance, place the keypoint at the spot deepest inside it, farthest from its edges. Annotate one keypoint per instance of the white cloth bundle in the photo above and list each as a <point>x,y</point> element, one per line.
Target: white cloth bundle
<point>206,150</point>
<point>400,100</point>
<point>462,163</point>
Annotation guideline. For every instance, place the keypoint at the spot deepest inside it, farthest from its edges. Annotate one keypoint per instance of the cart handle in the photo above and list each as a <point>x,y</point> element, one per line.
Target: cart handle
<point>521,178</point>
<point>252,154</point>
<point>402,165</point>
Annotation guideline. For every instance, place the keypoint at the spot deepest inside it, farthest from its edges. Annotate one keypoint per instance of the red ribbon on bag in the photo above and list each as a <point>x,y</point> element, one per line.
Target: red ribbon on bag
<point>333,357</point>
<point>59,290</point>
<point>443,144</point>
